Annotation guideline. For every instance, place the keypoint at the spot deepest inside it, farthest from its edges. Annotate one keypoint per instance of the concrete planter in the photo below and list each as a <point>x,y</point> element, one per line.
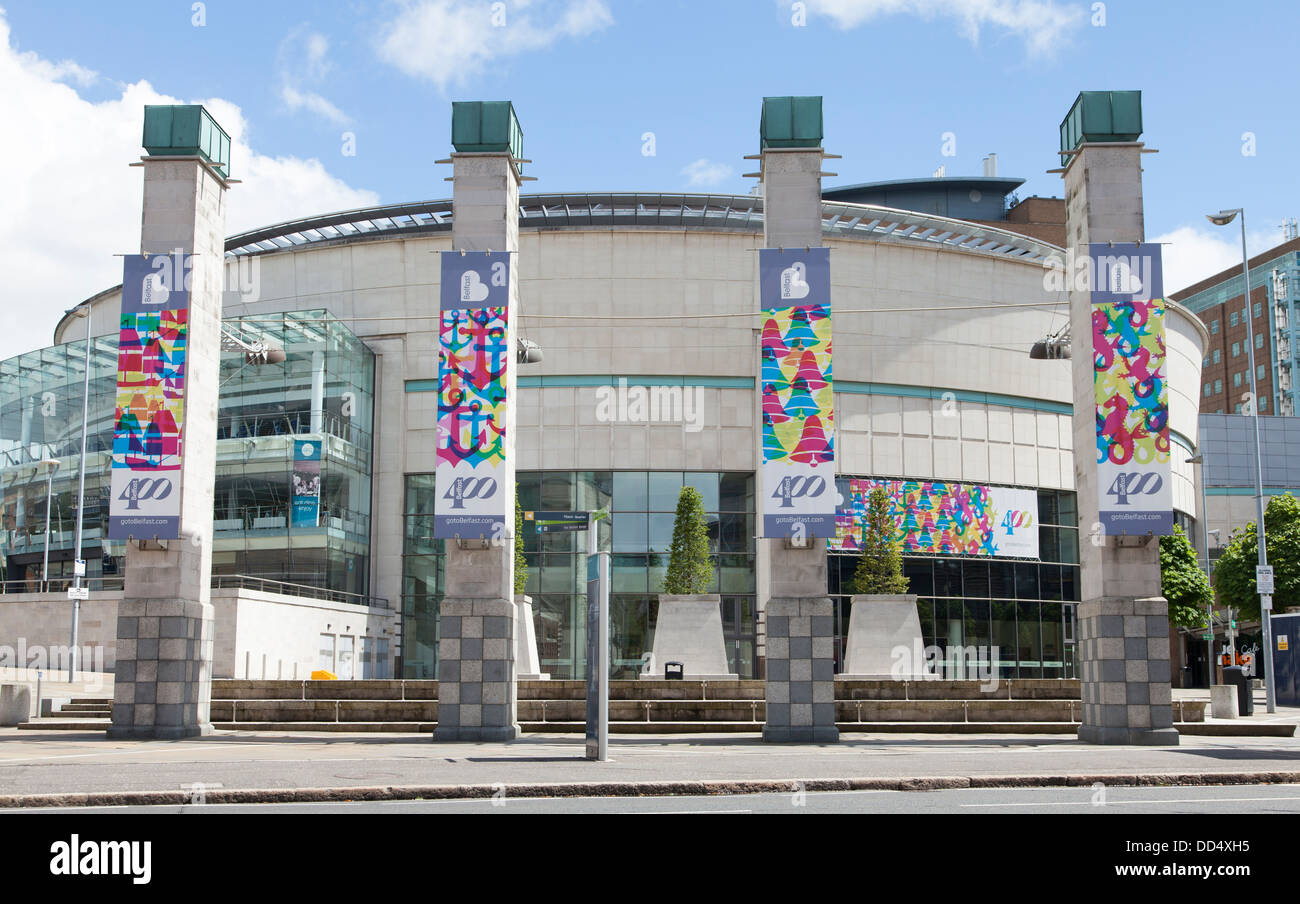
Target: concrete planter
<point>880,625</point>
<point>689,631</point>
<point>528,665</point>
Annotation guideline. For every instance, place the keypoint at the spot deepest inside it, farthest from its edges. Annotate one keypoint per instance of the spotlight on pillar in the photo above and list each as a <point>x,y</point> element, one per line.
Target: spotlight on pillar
<point>255,351</point>
<point>528,352</point>
<point>1054,346</point>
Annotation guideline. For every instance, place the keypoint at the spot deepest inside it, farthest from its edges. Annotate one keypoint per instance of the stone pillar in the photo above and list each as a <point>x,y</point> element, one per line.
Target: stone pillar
<point>477,690</point>
<point>1123,622</point>
<point>799,618</point>
<point>165,620</point>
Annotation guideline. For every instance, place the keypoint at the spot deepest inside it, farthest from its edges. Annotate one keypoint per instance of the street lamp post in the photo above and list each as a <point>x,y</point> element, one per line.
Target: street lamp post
<point>81,501</point>
<point>53,465</point>
<point>1223,218</point>
<point>1199,459</point>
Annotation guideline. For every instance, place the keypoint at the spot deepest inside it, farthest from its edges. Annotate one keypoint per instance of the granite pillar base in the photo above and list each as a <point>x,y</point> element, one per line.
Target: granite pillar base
<point>163,677</point>
<point>1124,672</point>
<point>477,693</point>
<point>800,682</point>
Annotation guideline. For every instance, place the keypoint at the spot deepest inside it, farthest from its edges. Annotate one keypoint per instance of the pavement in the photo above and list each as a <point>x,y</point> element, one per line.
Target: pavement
<point>60,768</point>
<point>69,769</point>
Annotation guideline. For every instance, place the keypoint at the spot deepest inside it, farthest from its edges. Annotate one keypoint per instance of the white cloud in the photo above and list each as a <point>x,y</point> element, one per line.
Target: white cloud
<point>1193,253</point>
<point>446,41</point>
<point>705,173</point>
<point>1042,24</point>
<point>71,202</point>
<point>302,60</point>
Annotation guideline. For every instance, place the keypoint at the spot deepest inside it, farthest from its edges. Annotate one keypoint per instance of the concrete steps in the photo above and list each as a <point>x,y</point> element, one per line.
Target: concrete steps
<point>1037,706</point>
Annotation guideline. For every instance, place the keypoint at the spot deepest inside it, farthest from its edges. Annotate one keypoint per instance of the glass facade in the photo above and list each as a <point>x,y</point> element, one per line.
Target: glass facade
<point>324,388</point>
<point>638,535</point>
<point>1024,607</point>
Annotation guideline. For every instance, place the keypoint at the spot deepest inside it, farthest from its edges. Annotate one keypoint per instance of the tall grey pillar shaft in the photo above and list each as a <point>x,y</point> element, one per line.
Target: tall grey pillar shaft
<point>164,624</point>
<point>1123,621</point>
<point>799,616</point>
<point>477,691</point>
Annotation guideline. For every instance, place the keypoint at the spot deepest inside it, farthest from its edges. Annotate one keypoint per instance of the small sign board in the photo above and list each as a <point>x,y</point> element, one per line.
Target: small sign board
<point>1264,578</point>
<point>1282,642</point>
<point>78,593</point>
<point>79,568</point>
<point>551,522</point>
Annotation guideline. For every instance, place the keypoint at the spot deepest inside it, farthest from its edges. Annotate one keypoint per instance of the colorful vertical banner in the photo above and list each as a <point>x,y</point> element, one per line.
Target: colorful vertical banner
<point>149,417</point>
<point>797,400</point>
<point>474,356</point>
<point>305,506</point>
<point>938,517</point>
<point>1132,394</point>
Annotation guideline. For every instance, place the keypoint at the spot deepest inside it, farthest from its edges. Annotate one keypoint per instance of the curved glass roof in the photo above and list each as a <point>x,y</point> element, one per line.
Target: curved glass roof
<point>742,213</point>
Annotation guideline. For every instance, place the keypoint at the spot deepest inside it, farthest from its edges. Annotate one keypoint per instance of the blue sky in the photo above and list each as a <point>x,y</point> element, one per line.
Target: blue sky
<point>590,77</point>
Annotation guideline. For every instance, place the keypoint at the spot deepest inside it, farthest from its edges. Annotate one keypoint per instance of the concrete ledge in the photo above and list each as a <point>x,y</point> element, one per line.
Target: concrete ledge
<point>636,789</point>
<point>800,734</point>
<point>476,733</point>
<point>1144,737</point>
<point>158,732</point>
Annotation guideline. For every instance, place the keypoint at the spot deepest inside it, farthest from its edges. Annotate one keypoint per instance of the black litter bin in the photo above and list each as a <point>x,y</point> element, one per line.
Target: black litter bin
<point>1236,676</point>
<point>674,671</point>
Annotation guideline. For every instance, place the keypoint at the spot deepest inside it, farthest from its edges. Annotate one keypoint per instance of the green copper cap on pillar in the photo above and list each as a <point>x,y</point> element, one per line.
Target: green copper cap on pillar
<point>791,122</point>
<point>1102,116</point>
<point>186,131</point>
<point>486,126</point>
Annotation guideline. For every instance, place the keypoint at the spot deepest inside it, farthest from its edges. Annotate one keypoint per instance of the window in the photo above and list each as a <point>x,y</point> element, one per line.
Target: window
<point>1206,362</point>
<point>345,671</point>
<point>1236,379</point>
<point>1207,390</point>
<point>1218,388</point>
<point>1237,408</point>
<point>1236,349</point>
<point>1232,319</point>
<point>1258,308</point>
<point>1261,371</point>
<point>1214,327</point>
<point>1259,340</point>
<point>1217,356</point>
<point>326,660</point>
<point>1263,405</point>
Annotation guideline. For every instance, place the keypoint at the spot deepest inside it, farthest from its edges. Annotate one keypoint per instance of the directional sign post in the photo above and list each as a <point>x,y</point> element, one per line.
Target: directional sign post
<point>597,641</point>
<point>558,522</point>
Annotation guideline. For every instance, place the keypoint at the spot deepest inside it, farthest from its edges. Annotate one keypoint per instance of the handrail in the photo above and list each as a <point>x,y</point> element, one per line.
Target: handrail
<point>287,588</point>
<point>219,582</point>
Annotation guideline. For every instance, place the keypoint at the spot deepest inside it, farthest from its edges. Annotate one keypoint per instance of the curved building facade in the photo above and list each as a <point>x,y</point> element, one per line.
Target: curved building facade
<point>644,306</point>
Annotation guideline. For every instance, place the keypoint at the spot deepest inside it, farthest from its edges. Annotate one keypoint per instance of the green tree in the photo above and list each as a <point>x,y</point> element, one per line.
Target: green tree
<point>690,570</point>
<point>521,563</point>
<point>1234,571</point>
<point>1182,581</point>
<point>880,568</point>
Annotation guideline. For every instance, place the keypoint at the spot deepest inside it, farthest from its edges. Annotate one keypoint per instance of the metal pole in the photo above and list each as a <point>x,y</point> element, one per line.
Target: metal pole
<point>1264,614</point>
<point>45,563</point>
<point>1209,614</point>
<point>81,501</point>
<point>601,665</point>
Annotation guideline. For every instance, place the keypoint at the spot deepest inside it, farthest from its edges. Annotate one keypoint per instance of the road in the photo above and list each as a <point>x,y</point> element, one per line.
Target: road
<point>1101,801</point>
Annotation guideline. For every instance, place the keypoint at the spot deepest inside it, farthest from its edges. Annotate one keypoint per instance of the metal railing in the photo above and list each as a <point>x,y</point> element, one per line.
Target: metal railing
<point>287,588</point>
<point>219,582</point>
